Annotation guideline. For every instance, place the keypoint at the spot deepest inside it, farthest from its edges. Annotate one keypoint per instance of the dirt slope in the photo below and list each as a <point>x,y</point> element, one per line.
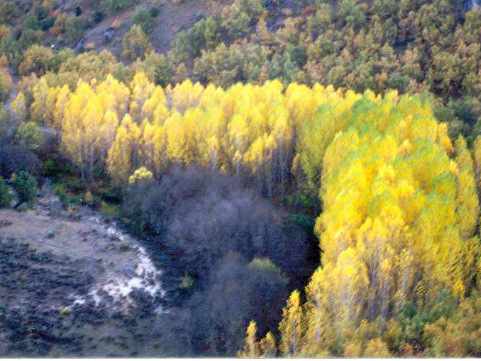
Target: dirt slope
<point>74,286</point>
<point>172,18</point>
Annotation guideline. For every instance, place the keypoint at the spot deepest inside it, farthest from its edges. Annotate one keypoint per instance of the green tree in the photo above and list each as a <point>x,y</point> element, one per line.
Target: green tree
<point>5,195</point>
<point>145,20</point>
<point>26,187</point>
<point>37,59</point>
<point>136,44</point>
<point>29,135</point>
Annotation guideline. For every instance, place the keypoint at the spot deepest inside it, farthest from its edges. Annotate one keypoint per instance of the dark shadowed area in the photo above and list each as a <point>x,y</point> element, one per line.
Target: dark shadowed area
<point>236,256</point>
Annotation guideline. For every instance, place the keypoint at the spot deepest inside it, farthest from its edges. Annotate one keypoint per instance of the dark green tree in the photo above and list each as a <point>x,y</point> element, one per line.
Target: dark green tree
<point>5,195</point>
<point>26,187</point>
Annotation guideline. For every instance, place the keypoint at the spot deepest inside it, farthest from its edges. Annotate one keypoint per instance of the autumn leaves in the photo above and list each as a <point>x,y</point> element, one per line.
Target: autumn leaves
<point>400,205</point>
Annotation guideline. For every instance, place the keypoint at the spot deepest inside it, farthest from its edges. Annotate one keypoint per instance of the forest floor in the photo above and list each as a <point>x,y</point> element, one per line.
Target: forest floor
<point>74,285</point>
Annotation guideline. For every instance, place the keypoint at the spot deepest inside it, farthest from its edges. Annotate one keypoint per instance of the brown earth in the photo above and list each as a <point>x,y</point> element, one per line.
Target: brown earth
<point>172,19</point>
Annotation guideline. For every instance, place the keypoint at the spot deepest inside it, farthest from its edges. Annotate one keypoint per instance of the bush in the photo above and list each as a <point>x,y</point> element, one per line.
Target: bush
<point>154,12</point>
<point>158,67</point>
<point>68,200</point>
<point>29,136</point>
<point>109,210</point>
<point>26,187</point>
<point>136,44</point>
<point>5,195</point>
<point>8,11</point>
<point>74,29</point>
<point>37,59</point>
<point>144,19</point>
<point>98,17</point>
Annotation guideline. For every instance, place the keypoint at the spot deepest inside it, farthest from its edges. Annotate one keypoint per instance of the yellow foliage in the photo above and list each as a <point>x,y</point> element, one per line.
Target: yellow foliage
<point>140,175</point>
<point>251,346</point>
<point>292,325</point>
<point>400,204</point>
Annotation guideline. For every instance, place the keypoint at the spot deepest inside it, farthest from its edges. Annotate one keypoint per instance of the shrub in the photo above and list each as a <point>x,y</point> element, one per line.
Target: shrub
<point>29,136</point>
<point>74,29</point>
<point>37,59</point>
<point>154,12</point>
<point>158,67</point>
<point>144,19</point>
<point>98,17</point>
<point>8,11</point>
<point>26,187</point>
<point>109,210</point>
<point>5,195</point>
<point>141,175</point>
<point>68,201</point>
<point>136,44</point>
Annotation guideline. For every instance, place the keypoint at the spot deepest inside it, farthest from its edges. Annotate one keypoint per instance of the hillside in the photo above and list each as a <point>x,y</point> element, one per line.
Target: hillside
<point>99,28</point>
<point>251,178</point>
<point>350,43</point>
<point>82,268</point>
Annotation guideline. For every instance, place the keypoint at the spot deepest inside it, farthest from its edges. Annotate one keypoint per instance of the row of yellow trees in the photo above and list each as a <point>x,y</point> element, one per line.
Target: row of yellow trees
<point>400,205</point>
<point>247,130</point>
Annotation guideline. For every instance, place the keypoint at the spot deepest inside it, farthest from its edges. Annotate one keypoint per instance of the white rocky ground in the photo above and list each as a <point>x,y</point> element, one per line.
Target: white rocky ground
<point>121,263</point>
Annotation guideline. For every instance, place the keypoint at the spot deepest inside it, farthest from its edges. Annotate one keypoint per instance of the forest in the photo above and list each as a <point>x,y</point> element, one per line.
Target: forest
<point>305,174</point>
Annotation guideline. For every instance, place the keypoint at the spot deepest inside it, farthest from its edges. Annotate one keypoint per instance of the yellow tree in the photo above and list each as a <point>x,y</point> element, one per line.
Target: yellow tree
<point>291,326</point>
<point>123,155</point>
<point>268,346</point>
<point>477,159</point>
<point>141,90</point>
<point>251,346</point>
<point>38,108</point>
<point>19,107</point>
<point>391,229</point>
<point>59,112</point>
<point>468,202</point>
<point>79,128</point>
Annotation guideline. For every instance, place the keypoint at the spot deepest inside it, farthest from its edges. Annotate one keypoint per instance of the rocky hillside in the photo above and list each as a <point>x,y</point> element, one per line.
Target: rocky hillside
<point>83,24</point>
<point>88,274</point>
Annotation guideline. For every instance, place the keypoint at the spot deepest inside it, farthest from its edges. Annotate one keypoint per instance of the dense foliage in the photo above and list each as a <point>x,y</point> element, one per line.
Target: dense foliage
<point>398,230</point>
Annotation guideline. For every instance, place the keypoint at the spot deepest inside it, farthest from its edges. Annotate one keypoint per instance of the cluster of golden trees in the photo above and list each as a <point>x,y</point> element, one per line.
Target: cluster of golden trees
<point>247,130</point>
<point>399,226</point>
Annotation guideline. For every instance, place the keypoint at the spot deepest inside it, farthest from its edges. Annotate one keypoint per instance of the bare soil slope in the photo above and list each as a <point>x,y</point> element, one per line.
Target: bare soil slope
<point>74,286</point>
<point>172,19</point>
